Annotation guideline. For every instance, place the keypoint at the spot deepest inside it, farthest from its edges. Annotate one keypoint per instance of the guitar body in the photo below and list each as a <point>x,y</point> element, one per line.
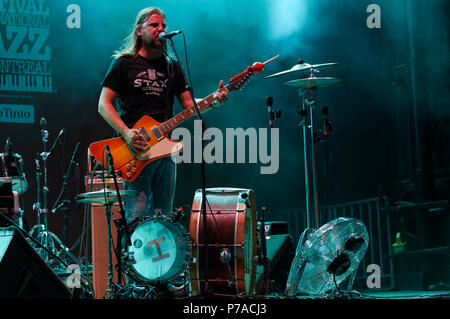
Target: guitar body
<point>129,164</point>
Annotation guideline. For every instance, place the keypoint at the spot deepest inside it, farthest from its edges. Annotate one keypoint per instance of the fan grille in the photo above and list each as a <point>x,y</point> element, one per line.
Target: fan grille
<point>324,246</point>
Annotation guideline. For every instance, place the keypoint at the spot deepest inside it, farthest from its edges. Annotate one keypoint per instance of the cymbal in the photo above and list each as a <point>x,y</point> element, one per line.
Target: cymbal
<point>299,68</point>
<point>313,82</point>
<point>105,196</point>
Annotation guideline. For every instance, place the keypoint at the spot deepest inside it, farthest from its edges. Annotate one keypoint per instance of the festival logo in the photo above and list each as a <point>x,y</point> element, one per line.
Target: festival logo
<point>25,56</point>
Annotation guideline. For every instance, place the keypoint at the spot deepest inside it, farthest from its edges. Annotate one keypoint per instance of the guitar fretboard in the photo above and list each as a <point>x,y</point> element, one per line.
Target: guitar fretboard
<point>170,124</point>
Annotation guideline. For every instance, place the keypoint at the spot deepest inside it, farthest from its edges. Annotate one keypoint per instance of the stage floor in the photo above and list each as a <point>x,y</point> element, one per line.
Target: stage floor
<point>407,294</point>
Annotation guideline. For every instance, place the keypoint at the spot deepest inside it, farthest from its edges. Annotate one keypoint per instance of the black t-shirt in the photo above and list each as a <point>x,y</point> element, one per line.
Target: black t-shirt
<point>145,87</point>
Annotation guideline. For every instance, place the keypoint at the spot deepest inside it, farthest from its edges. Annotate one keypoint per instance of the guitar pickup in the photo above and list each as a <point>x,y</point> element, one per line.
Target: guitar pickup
<point>144,134</point>
<point>157,133</point>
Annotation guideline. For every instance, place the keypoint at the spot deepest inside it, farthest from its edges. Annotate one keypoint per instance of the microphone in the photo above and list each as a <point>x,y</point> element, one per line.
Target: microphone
<point>177,214</point>
<point>44,133</point>
<point>43,123</point>
<point>109,159</point>
<point>269,102</point>
<point>327,126</point>
<point>60,133</point>
<point>63,204</point>
<point>168,35</point>
<point>8,146</point>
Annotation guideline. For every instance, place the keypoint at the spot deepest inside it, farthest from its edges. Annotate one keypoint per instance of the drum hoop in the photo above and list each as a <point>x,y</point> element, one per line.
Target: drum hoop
<point>227,190</point>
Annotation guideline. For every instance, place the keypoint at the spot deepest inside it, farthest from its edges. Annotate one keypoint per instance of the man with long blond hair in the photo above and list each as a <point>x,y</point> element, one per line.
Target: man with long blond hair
<point>143,80</point>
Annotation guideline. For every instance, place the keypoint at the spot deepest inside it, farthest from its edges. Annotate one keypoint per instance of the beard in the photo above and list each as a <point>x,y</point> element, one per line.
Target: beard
<point>153,43</point>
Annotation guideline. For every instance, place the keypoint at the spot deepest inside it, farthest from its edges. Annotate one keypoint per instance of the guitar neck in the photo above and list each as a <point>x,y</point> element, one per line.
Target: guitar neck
<point>173,122</point>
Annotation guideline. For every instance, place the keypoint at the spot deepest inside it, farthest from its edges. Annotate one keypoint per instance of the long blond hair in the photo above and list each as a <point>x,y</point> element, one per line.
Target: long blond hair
<point>133,43</point>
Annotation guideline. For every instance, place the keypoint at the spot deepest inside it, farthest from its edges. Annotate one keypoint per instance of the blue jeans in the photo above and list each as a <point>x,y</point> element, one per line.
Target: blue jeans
<point>156,187</point>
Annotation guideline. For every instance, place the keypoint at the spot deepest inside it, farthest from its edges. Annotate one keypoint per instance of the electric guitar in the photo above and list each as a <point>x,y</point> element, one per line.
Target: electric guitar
<point>128,164</point>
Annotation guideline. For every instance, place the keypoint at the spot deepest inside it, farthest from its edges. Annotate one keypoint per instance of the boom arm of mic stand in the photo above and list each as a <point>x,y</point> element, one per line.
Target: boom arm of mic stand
<point>64,185</point>
<point>203,174</point>
<point>54,144</point>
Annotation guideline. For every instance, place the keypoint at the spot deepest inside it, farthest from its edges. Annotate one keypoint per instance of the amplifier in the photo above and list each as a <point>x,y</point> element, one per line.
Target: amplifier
<point>98,180</point>
<point>99,238</point>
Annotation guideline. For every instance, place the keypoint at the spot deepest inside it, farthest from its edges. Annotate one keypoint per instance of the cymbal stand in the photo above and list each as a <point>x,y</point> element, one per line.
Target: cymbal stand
<point>308,97</point>
<point>40,231</point>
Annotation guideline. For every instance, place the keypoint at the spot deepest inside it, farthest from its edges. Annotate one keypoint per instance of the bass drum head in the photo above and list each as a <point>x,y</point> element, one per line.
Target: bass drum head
<point>160,248</point>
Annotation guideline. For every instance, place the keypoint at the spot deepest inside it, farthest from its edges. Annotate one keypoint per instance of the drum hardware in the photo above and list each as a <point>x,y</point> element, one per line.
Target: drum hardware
<point>225,257</point>
<point>307,89</point>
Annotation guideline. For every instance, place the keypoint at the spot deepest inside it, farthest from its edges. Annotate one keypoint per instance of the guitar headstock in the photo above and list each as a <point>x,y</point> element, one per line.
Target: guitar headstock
<point>236,82</point>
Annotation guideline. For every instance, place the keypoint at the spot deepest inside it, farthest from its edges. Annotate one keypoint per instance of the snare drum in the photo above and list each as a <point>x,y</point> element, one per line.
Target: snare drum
<point>231,224</point>
<point>159,250</point>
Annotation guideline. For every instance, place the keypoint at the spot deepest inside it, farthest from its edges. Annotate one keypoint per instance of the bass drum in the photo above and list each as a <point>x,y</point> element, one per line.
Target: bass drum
<point>160,250</point>
<point>231,224</point>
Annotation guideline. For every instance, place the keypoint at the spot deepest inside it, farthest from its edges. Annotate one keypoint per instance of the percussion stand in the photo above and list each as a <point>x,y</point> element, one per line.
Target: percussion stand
<point>206,289</point>
<point>308,97</point>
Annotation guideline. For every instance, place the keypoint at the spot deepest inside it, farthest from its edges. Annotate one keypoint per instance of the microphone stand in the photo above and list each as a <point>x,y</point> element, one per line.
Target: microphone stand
<point>264,251</point>
<point>206,288</point>
<point>43,229</point>
<point>121,225</point>
<point>63,189</point>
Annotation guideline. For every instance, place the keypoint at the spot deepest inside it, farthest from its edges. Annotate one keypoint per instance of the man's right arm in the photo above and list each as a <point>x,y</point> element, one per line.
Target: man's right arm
<point>108,112</point>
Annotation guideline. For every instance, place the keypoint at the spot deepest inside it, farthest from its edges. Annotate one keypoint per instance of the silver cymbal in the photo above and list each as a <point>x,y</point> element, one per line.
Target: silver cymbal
<point>313,82</point>
<point>105,196</point>
<point>300,68</point>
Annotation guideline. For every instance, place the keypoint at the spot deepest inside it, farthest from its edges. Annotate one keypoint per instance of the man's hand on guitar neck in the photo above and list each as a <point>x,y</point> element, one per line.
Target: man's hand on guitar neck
<point>135,140</point>
<point>221,95</point>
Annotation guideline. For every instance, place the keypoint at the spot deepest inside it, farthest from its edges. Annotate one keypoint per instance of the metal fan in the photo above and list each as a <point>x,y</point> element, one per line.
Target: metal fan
<point>330,255</point>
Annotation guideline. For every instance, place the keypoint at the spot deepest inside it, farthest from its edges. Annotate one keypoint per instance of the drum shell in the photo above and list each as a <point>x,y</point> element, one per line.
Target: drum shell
<point>233,227</point>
